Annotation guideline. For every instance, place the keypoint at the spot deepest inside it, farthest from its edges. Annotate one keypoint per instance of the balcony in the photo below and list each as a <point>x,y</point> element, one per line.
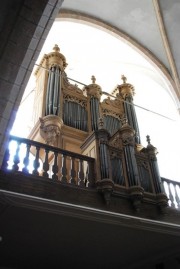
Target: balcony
<point>62,169</point>
<point>66,201</point>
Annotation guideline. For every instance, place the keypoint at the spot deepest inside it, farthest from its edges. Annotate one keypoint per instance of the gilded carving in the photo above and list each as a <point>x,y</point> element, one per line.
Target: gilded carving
<point>142,163</point>
<point>127,133</point>
<point>101,123</point>
<point>52,58</point>
<point>113,102</point>
<point>93,90</point>
<point>115,154</point>
<point>128,140</point>
<point>126,89</point>
<point>50,134</point>
<point>71,98</point>
<point>50,128</point>
<point>115,141</point>
<point>112,113</point>
<point>65,81</point>
<point>74,88</point>
<point>56,57</point>
<point>112,107</point>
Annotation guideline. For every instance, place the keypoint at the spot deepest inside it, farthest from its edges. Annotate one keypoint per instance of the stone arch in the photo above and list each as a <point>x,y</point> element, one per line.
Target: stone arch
<point>149,56</point>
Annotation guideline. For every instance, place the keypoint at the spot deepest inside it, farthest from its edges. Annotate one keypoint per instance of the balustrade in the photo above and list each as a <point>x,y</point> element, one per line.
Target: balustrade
<point>172,189</point>
<point>24,156</point>
<point>30,157</point>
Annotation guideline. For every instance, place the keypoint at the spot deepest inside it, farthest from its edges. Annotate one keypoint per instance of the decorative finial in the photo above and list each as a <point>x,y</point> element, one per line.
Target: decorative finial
<point>93,79</point>
<point>56,48</point>
<point>148,139</point>
<point>150,147</point>
<point>124,79</point>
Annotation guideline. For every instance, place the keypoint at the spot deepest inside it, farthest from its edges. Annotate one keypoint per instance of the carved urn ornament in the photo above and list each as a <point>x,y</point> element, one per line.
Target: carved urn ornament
<point>50,128</point>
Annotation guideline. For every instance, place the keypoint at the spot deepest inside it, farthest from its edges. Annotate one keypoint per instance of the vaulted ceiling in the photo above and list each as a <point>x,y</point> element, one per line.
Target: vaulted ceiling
<point>151,27</point>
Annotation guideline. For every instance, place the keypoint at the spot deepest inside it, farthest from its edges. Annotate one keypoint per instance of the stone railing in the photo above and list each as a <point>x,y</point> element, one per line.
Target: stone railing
<point>172,189</point>
<point>31,157</point>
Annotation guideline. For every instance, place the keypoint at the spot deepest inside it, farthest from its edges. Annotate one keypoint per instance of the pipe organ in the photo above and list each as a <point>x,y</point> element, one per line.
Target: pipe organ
<point>81,121</point>
<point>64,113</point>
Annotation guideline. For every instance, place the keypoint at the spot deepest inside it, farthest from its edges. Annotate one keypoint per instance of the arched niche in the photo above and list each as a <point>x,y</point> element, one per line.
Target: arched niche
<point>158,74</point>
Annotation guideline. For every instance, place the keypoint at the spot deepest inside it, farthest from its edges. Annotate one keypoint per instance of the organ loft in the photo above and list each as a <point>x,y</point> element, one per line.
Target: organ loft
<point>76,120</point>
